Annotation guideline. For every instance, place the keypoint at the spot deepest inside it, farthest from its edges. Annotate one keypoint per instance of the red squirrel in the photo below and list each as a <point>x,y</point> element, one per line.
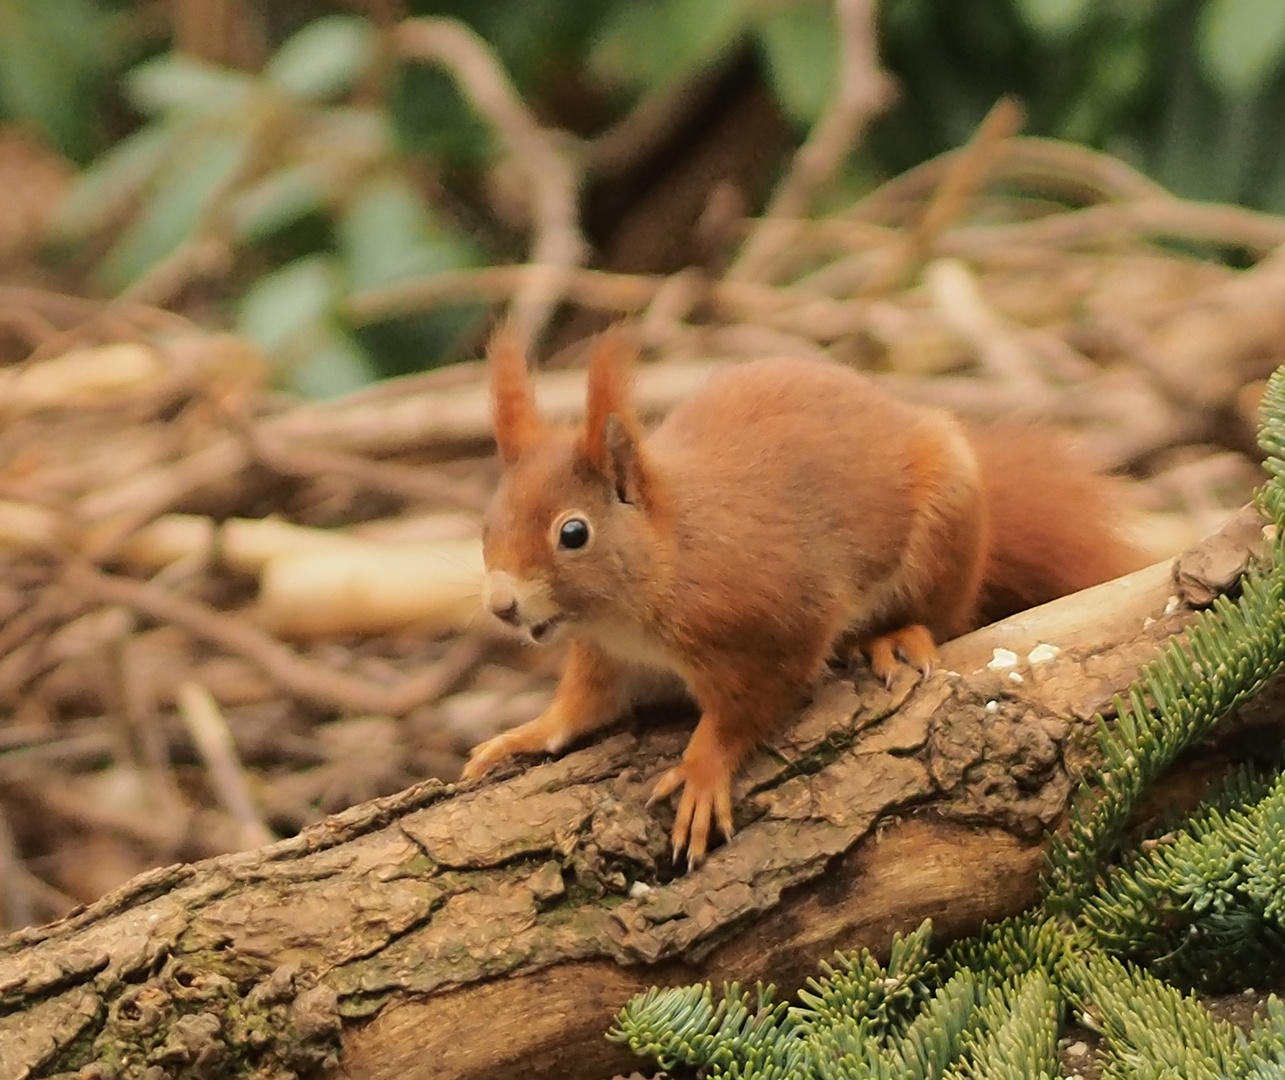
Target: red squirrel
<point>785,505</point>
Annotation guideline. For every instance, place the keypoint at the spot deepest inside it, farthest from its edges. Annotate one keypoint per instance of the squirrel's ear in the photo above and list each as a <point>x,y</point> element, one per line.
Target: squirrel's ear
<point>517,425</point>
<point>612,437</point>
<point>610,362</point>
<point>626,468</point>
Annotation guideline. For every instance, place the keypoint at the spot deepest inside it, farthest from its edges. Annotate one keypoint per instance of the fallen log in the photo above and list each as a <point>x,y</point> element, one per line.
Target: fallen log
<point>493,930</point>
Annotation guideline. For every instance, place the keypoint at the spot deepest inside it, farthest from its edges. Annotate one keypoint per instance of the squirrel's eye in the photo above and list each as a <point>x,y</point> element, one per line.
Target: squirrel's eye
<point>573,534</point>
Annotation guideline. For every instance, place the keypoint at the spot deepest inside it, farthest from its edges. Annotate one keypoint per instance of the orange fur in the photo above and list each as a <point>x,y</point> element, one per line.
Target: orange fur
<point>517,425</point>
<point>787,504</point>
<point>607,394</point>
<point>1055,524</point>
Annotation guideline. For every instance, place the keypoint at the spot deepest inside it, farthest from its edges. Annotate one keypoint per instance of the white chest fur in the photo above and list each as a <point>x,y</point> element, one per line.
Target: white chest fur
<point>631,644</point>
<point>651,674</point>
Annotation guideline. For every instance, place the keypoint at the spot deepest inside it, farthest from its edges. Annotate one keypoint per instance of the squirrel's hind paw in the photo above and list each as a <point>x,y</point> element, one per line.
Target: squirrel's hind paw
<point>706,799</point>
<point>914,644</point>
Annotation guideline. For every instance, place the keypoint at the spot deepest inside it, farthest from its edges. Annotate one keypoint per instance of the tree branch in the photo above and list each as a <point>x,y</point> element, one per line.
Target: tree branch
<point>484,930</point>
<point>863,92</point>
<point>558,245</point>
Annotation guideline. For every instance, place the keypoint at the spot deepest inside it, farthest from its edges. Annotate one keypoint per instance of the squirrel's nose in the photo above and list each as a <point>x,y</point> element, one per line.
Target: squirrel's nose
<point>507,613</point>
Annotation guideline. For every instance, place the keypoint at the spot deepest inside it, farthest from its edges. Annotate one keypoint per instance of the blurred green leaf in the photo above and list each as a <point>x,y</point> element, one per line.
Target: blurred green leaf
<point>910,17</point>
<point>433,119</point>
<point>329,364</point>
<point>290,314</point>
<point>323,59</point>
<point>1055,20</point>
<point>802,52</point>
<point>653,44</point>
<point>1117,74</point>
<point>1241,43</point>
<point>287,302</point>
<point>106,189</point>
<point>1273,197</point>
<point>1133,14</point>
<point>197,171</point>
<point>176,82</point>
<point>278,200</point>
<point>51,54</point>
<point>386,235</point>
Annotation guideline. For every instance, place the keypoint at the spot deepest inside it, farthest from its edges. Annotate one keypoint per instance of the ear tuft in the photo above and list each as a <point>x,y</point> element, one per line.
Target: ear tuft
<point>517,425</point>
<point>620,440</point>
<point>608,398</point>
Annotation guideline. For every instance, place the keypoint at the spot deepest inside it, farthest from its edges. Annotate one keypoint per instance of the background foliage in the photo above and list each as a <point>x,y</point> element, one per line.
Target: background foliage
<point>323,170</point>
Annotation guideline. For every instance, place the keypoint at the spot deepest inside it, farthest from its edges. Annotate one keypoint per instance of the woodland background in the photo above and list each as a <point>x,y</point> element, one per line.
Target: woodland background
<point>672,103</point>
<point>248,252</point>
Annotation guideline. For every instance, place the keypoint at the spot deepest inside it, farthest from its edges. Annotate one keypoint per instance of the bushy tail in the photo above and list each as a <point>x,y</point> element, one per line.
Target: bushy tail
<point>1056,526</point>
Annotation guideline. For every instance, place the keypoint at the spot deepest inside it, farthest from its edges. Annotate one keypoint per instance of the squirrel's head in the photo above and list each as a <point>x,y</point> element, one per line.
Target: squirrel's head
<point>570,536</point>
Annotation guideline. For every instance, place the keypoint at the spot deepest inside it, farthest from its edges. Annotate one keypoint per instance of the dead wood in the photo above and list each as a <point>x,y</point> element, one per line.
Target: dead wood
<point>493,930</point>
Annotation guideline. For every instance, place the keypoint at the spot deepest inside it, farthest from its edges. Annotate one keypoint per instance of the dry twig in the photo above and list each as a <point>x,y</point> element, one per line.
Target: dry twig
<point>417,483</point>
<point>301,677</point>
<point>1062,171</point>
<point>554,182</point>
<point>863,91</point>
<point>1113,223</point>
<point>16,908</point>
<point>204,722</point>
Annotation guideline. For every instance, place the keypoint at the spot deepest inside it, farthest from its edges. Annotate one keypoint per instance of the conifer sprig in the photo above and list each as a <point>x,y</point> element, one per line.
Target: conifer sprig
<point>1199,904</point>
<point>744,1033</point>
<point>1016,1033</point>
<point>1226,657</point>
<point>1271,439</point>
<point>1152,1030</point>
<point>859,986</point>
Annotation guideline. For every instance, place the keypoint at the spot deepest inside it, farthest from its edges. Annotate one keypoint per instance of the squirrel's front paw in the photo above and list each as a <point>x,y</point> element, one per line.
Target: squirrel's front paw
<point>706,798</point>
<point>485,756</point>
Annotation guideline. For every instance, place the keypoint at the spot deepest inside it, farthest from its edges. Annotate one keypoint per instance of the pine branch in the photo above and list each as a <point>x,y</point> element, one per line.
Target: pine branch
<point>859,987</point>
<point>850,1050</point>
<point>1263,1051</point>
<point>1271,438</point>
<point>934,1038</point>
<point>1228,654</point>
<point>1194,904</point>
<point>1016,1034</point>
<point>684,1027</point>
<point>1265,866</point>
<point>1227,657</point>
<point>849,1013</point>
<point>1031,941</point>
<point>1151,1030</point>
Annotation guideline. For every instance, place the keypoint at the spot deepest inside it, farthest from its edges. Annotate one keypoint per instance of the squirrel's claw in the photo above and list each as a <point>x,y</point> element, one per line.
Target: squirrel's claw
<point>484,757</point>
<point>914,644</point>
<point>548,733</point>
<point>706,799</point>
<point>524,739</point>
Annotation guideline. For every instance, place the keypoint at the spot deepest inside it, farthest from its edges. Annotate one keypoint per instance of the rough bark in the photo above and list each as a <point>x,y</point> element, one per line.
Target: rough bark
<point>494,930</point>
